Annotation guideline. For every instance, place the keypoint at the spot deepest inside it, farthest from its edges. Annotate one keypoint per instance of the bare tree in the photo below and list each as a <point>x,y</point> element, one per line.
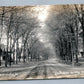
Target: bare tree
<point>64,24</point>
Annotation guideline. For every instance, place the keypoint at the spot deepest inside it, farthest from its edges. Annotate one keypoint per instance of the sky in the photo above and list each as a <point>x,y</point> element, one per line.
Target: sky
<point>38,2</point>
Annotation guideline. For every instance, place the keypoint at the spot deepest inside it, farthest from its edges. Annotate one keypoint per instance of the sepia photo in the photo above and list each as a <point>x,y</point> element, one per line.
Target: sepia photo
<point>41,42</point>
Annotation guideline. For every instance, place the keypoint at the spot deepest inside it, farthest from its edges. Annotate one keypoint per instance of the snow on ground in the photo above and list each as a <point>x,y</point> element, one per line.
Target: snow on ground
<point>40,70</point>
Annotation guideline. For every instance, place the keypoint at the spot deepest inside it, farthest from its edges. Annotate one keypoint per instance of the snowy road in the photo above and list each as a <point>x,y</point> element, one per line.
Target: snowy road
<point>39,70</point>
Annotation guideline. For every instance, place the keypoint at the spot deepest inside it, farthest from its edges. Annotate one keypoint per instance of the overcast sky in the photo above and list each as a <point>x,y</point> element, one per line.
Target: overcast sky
<point>38,2</point>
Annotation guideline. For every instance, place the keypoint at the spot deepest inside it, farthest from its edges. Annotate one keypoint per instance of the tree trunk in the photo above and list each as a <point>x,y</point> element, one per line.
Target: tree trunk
<point>6,56</point>
<point>24,54</point>
<point>76,43</point>
<point>16,51</point>
<point>10,53</point>
<point>83,41</point>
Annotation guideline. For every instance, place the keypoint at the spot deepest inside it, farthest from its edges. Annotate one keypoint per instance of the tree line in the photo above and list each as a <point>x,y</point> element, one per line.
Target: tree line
<point>19,24</point>
<point>66,22</point>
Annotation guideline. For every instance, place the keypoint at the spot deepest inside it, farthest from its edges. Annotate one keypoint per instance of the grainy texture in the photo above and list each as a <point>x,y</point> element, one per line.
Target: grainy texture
<point>41,42</point>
